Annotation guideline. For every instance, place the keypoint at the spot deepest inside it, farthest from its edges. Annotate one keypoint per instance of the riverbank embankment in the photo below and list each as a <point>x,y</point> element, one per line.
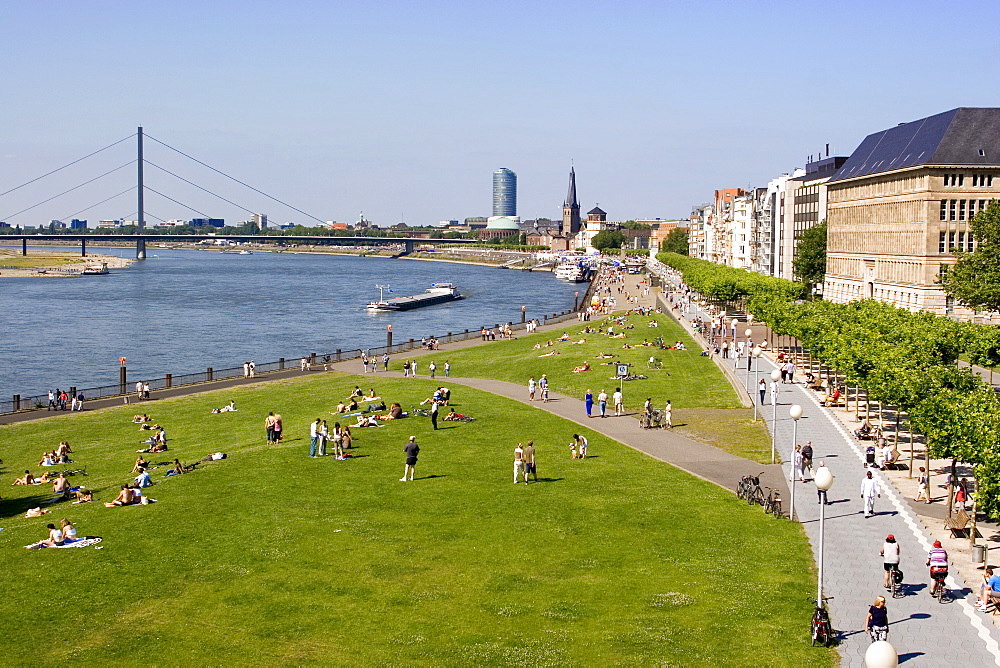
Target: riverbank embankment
<point>54,263</point>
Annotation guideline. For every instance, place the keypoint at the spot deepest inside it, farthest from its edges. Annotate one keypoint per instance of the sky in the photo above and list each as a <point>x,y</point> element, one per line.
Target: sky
<point>403,110</point>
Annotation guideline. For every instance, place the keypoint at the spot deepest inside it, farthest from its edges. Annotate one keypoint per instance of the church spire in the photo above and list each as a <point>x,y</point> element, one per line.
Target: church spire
<point>571,193</point>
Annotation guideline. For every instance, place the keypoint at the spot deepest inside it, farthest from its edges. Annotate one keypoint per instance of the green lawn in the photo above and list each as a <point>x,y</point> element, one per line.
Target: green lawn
<point>272,557</point>
<point>687,379</point>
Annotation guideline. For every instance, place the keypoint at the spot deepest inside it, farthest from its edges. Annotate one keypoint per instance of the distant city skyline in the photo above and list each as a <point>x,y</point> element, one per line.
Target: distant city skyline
<point>400,109</point>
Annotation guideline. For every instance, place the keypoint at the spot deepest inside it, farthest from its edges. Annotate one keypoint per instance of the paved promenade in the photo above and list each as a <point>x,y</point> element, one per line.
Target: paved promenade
<point>924,632</point>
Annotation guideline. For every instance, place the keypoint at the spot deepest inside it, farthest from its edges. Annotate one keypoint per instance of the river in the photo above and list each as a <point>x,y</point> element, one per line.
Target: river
<point>181,311</point>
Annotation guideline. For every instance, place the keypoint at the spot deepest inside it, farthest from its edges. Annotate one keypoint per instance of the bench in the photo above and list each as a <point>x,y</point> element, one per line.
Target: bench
<point>959,524</point>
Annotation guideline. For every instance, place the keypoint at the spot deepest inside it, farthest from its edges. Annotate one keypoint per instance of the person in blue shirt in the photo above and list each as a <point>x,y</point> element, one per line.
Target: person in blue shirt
<point>990,586</point>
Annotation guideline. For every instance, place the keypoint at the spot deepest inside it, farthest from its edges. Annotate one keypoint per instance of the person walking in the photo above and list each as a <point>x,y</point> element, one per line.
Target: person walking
<point>447,369</point>
<point>52,401</point>
<point>790,371</point>
<point>434,414</point>
<point>269,428</point>
<point>278,426</point>
<point>602,402</point>
<point>432,368</point>
<point>519,465</point>
<point>253,368</point>
<point>797,464</point>
<point>314,436</point>
<point>807,458</point>
<point>531,388</point>
<point>385,361</point>
<point>529,462</point>
<point>961,495</point>
<point>543,386</point>
<point>412,450</point>
<point>588,402</point>
<point>79,401</point>
<point>923,486</point>
<point>821,493</point>
<point>877,622</point>
<point>668,415</point>
<point>762,388</point>
<point>617,398</point>
<point>870,490</point>
<point>145,387</point>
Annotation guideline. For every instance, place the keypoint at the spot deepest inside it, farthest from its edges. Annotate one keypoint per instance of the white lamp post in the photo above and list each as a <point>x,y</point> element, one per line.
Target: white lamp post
<point>824,481</point>
<point>756,354</point>
<point>795,412</point>
<point>748,333</point>
<point>775,377</point>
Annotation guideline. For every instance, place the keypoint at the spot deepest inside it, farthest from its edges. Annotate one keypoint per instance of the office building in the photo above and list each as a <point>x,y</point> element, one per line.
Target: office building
<point>504,192</point>
<point>902,203</point>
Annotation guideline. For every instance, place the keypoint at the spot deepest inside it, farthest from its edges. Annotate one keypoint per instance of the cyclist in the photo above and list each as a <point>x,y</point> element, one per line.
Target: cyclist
<point>937,559</point>
<point>890,558</point>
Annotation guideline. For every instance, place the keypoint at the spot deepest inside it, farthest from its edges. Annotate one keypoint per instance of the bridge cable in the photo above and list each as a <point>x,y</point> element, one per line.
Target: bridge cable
<point>67,165</point>
<point>176,202</point>
<point>71,189</point>
<point>199,187</point>
<point>74,215</point>
<point>247,185</point>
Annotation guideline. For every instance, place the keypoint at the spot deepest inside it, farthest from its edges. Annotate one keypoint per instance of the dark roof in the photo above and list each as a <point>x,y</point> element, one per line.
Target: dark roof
<point>597,209</point>
<point>963,136</point>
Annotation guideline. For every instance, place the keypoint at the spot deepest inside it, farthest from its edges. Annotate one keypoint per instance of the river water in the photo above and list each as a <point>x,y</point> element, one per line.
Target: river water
<point>181,311</point>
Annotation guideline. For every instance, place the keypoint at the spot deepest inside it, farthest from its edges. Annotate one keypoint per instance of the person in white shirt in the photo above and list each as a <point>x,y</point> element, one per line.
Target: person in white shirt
<point>890,558</point>
<point>617,397</point>
<point>870,490</point>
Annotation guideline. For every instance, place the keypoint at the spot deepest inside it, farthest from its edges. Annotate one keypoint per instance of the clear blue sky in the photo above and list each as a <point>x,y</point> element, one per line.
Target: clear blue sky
<point>404,109</point>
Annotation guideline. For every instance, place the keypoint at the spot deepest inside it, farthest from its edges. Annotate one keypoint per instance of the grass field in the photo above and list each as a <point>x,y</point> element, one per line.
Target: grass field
<point>705,406</point>
<point>272,557</point>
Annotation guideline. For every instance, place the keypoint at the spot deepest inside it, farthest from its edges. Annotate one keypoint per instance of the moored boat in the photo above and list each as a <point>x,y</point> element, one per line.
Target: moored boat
<point>95,269</point>
<point>438,293</point>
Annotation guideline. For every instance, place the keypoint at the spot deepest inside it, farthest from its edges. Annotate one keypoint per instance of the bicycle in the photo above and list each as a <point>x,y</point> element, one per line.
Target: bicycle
<point>820,628</point>
<point>772,504</point>
<point>896,581</point>
<point>749,489</point>
<point>938,590</point>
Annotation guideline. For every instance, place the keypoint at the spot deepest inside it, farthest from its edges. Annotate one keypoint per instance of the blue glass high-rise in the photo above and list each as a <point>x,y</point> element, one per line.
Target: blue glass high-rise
<point>504,192</point>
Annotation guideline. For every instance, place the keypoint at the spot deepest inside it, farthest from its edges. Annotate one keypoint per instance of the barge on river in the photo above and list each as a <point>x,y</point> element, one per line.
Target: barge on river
<point>438,293</point>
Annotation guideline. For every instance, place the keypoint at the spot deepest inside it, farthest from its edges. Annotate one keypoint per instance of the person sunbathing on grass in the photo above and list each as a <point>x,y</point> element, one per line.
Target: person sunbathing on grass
<point>395,413</point>
<point>353,406</point>
<point>618,336</point>
<point>626,347</point>
<point>48,459</point>
<point>228,408</point>
<point>452,415</point>
<point>178,469</point>
<point>139,419</point>
<point>550,353</point>
<point>26,479</point>
<point>604,356</point>
<point>126,497</point>
<point>341,407</point>
<point>576,343</point>
<point>84,496</point>
<point>140,464</point>
<point>581,369</point>
<point>55,539</point>
<point>367,421</point>
<point>372,396</point>
<point>564,337</point>
<point>60,486</point>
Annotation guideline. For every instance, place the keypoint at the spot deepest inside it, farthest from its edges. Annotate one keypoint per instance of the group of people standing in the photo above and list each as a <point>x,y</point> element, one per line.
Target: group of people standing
<point>59,399</point>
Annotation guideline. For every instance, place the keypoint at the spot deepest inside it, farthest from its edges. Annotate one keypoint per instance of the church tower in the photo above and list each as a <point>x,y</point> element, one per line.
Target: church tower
<point>571,207</point>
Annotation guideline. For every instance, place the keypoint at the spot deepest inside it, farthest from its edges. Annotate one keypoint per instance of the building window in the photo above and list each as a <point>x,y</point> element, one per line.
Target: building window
<point>961,240</point>
<point>951,209</point>
<point>961,209</point>
<point>942,244</point>
<point>951,241</point>
<point>944,209</point>
<point>972,208</point>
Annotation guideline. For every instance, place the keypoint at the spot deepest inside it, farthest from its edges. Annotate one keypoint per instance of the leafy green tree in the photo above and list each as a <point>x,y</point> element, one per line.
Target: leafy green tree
<point>676,242</point>
<point>632,225</point>
<point>974,281</point>
<point>810,256</point>
<point>606,239</point>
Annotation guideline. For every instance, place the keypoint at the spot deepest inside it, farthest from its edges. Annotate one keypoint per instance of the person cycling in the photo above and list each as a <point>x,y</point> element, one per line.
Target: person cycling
<point>890,558</point>
<point>937,559</point>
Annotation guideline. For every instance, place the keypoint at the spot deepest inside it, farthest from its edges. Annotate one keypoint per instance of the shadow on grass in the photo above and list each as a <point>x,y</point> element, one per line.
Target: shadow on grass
<point>44,499</point>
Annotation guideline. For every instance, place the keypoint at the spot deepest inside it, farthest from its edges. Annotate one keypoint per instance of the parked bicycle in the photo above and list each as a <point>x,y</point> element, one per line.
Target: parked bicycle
<point>821,629</point>
<point>749,489</point>
<point>772,504</point>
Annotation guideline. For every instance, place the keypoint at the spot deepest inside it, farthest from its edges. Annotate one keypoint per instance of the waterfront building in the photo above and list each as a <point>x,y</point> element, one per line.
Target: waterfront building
<point>571,208</point>
<point>698,223</point>
<point>207,222</point>
<point>902,203</point>
<point>260,220</point>
<point>500,226</point>
<point>659,229</point>
<point>504,192</point>
<point>77,224</point>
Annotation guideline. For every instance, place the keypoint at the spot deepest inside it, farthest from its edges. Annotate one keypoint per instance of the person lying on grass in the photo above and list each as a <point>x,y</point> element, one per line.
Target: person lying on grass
<point>139,419</point>
<point>395,413</point>
<point>550,353</point>
<point>452,415</point>
<point>582,368</point>
<point>367,421</point>
<point>26,479</point>
<point>228,408</point>
<point>576,343</point>
<point>84,496</point>
<point>140,464</point>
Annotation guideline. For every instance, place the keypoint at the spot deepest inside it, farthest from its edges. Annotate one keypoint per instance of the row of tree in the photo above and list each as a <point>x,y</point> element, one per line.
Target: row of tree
<point>903,359</point>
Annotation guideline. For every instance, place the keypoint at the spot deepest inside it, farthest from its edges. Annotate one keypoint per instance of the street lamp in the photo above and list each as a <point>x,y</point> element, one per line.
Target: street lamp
<point>748,333</point>
<point>795,412</point>
<point>775,377</point>
<point>756,355</point>
<point>824,481</point>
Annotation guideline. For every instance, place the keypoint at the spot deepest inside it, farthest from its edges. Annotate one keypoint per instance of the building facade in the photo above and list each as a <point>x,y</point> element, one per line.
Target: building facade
<point>902,203</point>
<point>571,208</point>
<point>504,192</point>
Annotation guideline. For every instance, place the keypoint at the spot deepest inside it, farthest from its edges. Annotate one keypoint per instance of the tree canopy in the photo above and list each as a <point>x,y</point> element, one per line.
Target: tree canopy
<point>608,239</point>
<point>974,281</point>
<point>810,257</point>
<point>676,242</point>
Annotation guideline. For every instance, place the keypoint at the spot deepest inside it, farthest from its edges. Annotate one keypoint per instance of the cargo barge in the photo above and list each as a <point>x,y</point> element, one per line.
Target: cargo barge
<point>438,293</point>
